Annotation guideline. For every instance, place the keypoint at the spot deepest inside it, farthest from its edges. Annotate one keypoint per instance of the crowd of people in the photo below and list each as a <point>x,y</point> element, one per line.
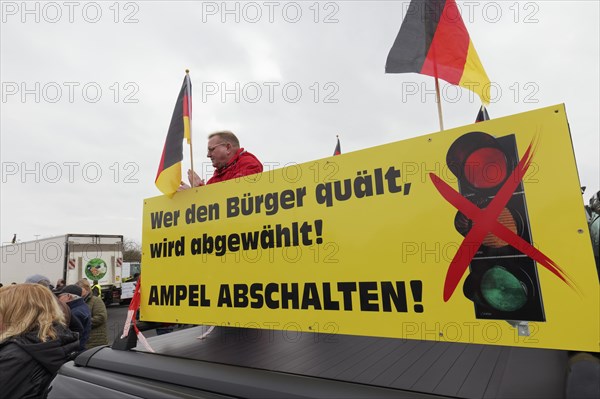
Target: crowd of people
<point>43,326</point>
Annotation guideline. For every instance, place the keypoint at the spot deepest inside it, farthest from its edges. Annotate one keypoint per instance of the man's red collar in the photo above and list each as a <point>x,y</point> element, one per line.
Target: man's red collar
<point>232,162</point>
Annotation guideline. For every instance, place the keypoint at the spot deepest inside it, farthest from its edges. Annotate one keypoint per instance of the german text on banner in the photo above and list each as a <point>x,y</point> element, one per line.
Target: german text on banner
<point>466,235</point>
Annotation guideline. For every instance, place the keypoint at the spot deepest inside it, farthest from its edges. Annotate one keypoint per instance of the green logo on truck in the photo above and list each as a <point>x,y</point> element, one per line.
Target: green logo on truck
<point>95,269</point>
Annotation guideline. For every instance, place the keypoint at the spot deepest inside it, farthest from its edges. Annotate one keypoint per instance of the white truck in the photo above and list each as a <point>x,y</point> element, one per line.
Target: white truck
<point>69,257</point>
<point>129,273</point>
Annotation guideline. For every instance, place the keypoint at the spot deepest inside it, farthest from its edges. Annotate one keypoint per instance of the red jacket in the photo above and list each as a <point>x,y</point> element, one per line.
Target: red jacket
<point>242,164</point>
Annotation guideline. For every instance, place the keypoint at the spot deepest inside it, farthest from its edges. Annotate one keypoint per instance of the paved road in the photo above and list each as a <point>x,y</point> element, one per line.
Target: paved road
<point>116,321</point>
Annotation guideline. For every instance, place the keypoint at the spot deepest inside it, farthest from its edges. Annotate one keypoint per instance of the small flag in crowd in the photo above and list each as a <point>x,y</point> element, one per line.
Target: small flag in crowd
<point>482,115</point>
<point>168,177</point>
<point>434,41</point>
<point>338,147</point>
<point>134,306</point>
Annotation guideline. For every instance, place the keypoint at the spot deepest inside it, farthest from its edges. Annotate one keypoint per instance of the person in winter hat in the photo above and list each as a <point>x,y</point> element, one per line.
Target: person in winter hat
<point>72,295</point>
<point>39,279</point>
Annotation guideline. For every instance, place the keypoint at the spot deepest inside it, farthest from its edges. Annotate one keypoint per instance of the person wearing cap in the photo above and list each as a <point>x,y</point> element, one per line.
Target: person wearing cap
<point>72,296</point>
<point>39,279</point>
<point>73,323</point>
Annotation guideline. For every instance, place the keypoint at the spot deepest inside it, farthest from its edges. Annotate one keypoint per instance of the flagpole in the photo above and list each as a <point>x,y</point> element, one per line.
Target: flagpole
<point>191,156</point>
<point>439,103</point>
<point>437,92</point>
<point>187,72</point>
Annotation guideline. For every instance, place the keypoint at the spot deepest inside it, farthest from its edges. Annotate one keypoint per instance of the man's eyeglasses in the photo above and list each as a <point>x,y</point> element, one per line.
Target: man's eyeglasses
<point>211,149</point>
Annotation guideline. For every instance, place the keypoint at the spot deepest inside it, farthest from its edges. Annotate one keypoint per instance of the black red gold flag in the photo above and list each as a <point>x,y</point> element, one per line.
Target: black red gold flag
<point>168,177</point>
<point>434,41</point>
<point>338,148</point>
<point>482,115</point>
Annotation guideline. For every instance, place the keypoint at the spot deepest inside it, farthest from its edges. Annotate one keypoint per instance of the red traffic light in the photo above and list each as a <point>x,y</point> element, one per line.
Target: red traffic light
<point>477,159</point>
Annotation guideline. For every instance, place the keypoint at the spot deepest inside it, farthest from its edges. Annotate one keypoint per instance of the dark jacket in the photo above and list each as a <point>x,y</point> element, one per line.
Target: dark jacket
<point>81,312</point>
<point>27,366</point>
<point>98,334</point>
<point>73,323</point>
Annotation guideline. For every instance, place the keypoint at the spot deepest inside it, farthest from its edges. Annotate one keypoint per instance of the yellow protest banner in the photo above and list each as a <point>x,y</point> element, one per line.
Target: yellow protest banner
<point>475,234</point>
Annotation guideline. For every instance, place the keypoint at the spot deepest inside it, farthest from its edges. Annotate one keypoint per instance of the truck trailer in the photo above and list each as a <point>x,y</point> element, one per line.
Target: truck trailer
<point>129,276</point>
<point>69,257</point>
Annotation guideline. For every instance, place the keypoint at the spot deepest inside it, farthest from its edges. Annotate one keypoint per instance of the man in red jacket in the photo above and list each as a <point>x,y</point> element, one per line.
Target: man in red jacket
<point>229,160</point>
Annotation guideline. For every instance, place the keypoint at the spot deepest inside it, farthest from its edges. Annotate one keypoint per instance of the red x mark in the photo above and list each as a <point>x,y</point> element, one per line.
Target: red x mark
<point>485,221</point>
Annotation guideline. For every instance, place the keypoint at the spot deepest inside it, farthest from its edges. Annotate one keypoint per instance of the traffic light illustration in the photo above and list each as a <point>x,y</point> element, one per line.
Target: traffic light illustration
<point>502,282</point>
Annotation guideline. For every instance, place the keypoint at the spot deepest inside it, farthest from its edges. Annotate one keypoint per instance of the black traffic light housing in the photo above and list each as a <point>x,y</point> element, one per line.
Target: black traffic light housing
<point>503,283</point>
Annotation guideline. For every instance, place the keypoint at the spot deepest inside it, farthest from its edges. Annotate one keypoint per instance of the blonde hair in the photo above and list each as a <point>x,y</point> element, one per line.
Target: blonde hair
<point>29,307</point>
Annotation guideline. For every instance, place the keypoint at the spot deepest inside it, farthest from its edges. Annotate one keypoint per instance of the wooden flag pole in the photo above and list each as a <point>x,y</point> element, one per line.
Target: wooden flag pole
<point>191,155</point>
<point>187,72</point>
<point>439,103</point>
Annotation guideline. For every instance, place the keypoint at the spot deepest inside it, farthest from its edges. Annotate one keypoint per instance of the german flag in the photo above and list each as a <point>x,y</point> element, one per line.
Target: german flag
<point>482,115</point>
<point>434,41</point>
<point>338,147</point>
<point>168,177</point>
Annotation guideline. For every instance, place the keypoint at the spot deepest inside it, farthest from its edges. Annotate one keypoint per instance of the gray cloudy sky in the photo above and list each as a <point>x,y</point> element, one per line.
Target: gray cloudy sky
<point>88,89</point>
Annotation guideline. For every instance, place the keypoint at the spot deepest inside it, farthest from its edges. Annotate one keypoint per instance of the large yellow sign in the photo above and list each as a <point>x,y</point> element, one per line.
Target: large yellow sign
<point>475,234</point>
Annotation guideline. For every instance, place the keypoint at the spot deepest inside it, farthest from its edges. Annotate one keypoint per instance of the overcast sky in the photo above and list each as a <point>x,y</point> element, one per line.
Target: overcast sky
<point>88,90</point>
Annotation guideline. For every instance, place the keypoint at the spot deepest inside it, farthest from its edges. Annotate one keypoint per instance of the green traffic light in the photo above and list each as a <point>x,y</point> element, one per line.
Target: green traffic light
<point>503,290</point>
